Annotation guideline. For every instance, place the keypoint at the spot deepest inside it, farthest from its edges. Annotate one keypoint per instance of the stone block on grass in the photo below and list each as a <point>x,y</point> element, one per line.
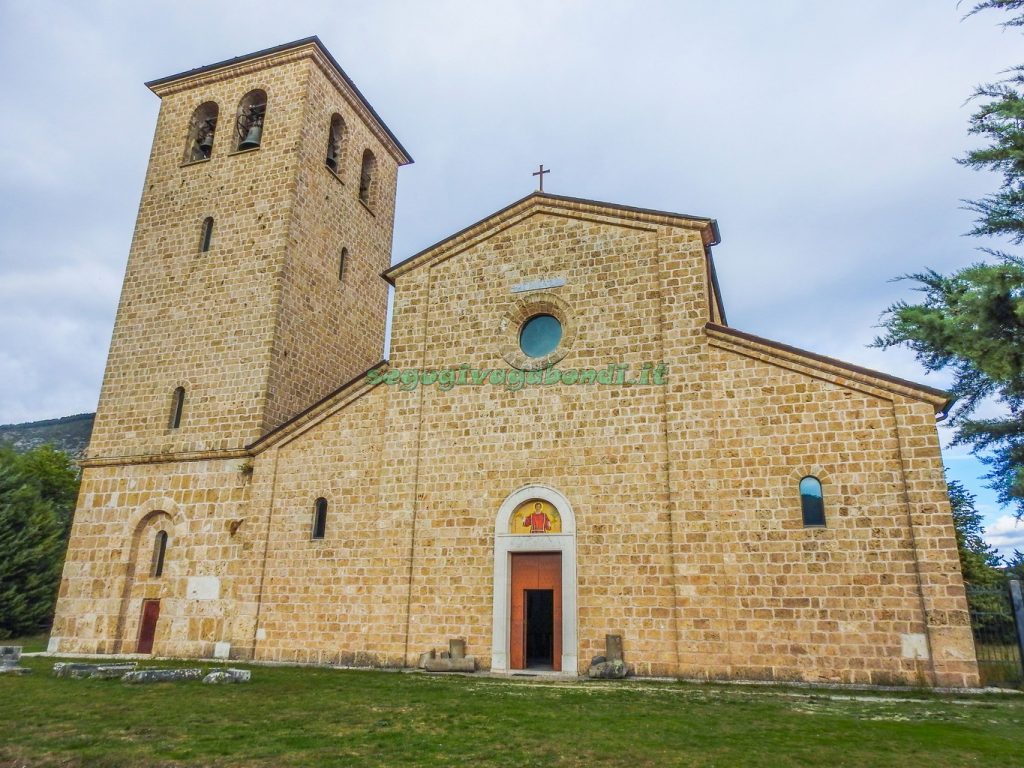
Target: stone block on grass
<point>80,671</point>
<point>10,655</point>
<point>222,676</point>
<point>608,670</point>
<point>163,675</point>
<point>465,664</point>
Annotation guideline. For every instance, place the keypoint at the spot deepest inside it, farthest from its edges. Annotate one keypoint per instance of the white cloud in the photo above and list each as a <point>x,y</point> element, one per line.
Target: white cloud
<point>1006,533</point>
<point>820,136</point>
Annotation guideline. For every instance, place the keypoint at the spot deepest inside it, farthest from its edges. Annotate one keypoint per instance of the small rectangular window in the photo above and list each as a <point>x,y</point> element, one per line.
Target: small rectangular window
<point>178,405</point>
<point>204,243</point>
<point>159,550</point>
<point>812,504</point>
<point>320,518</point>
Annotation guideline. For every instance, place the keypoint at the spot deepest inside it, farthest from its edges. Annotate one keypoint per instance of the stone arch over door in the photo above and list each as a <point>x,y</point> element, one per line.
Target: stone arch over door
<point>165,514</point>
<point>506,544</point>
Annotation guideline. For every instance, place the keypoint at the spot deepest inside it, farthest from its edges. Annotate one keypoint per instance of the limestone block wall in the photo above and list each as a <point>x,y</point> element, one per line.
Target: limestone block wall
<point>206,584</point>
<point>601,446</point>
<point>341,599</point>
<point>950,639</point>
<point>259,326</point>
<point>331,329</point>
<point>762,596</point>
<point>689,540</point>
<point>832,603</point>
<point>204,320</point>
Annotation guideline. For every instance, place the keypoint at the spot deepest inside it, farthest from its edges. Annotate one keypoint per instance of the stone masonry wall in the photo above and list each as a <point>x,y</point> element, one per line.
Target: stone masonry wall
<point>329,330</point>
<point>600,446</point>
<point>754,593</point>
<point>107,569</point>
<point>258,327</point>
<point>833,603</point>
<point>340,599</point>
<point>204,321</point>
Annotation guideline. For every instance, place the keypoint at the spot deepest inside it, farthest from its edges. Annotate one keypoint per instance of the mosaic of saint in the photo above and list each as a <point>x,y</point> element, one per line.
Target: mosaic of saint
<point>535,516</point>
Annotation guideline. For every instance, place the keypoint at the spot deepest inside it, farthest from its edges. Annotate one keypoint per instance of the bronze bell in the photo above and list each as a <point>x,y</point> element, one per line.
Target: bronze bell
<point>252,138</point>
<point>206,144</point>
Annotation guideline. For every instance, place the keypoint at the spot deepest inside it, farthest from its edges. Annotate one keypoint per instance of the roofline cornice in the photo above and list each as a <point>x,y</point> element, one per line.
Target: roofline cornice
<point>940,399</point>
<point>557,204</point>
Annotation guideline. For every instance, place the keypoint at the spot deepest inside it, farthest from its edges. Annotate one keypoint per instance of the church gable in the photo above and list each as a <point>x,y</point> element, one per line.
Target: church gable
<point>607,274</point>
<point>570,207</point>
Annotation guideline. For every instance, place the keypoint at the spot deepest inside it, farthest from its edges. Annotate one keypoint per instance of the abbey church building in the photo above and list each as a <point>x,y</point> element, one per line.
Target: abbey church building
<point>566,441</point>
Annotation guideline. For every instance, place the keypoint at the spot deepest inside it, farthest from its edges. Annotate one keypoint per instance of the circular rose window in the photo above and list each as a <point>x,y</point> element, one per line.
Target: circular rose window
<point>536,332</point>
<point>540,335</point>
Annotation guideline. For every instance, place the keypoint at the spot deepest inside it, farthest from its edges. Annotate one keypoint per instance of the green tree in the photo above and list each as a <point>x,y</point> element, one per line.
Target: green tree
<point>978,561</point>
<point>56,477</point>
<point>37,494</point>
<point>1000,119</point>
<point>971,322</point>
<point>1015,565</point>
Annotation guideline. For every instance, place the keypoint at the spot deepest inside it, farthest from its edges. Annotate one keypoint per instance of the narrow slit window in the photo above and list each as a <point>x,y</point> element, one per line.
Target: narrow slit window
<point>159,550</point>
<point>177,406</point>
<point>252,111</point>
<point>367,180</point>
<point>320,518</point>
<point>812,504</point>
<point>200,132</point>
<point>335,136</point>
<point>207,237</point>
<point>341,263</point>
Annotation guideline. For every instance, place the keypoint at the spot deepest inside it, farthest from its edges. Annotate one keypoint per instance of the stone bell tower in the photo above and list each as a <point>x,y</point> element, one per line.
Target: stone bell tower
<point>253,283</point>
<point>253,289</point>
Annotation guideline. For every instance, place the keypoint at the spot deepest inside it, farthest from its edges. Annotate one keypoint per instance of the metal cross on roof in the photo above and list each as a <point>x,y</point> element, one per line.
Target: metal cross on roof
<point>541,173</point>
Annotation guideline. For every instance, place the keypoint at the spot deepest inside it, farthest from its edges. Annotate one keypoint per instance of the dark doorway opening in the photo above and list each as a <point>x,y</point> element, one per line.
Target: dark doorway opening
<point>147,625</point>
<point>540,627</point>
<point>535,611</point>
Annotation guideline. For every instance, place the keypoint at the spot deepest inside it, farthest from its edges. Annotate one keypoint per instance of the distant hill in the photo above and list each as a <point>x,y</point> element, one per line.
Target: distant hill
<point>69,434</point>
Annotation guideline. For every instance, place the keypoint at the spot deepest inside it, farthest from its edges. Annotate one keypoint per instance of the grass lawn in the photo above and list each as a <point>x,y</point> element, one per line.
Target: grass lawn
<point>32,644</point>
<point>324,717</point>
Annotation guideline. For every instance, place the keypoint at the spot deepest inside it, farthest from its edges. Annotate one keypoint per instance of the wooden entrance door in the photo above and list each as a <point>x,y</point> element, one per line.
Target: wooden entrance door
<point>147,626</point>
<point>536,619</point>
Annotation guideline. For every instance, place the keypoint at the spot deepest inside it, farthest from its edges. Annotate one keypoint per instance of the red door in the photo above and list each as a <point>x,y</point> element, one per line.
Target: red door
<point>536,620</point>
<point>147,626</point>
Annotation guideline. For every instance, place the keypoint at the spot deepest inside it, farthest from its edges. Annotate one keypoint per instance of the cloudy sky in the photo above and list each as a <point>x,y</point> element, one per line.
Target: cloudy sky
<point>821,135</point>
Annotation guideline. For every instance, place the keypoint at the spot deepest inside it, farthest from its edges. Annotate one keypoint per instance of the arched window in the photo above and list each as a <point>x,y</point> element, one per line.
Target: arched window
<point>252,110</point>
<point>367,182</point>
<point>341,263</point>
<point>334,140</point>
<point>177,404</point>
<point>811,502</point>
<point>320,518</point>
<point>207,236</point>
<point>200,132</point>
<point>159,550</point>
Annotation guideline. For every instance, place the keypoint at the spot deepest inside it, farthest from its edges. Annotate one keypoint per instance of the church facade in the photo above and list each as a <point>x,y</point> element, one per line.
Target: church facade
<point>567,440</point>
